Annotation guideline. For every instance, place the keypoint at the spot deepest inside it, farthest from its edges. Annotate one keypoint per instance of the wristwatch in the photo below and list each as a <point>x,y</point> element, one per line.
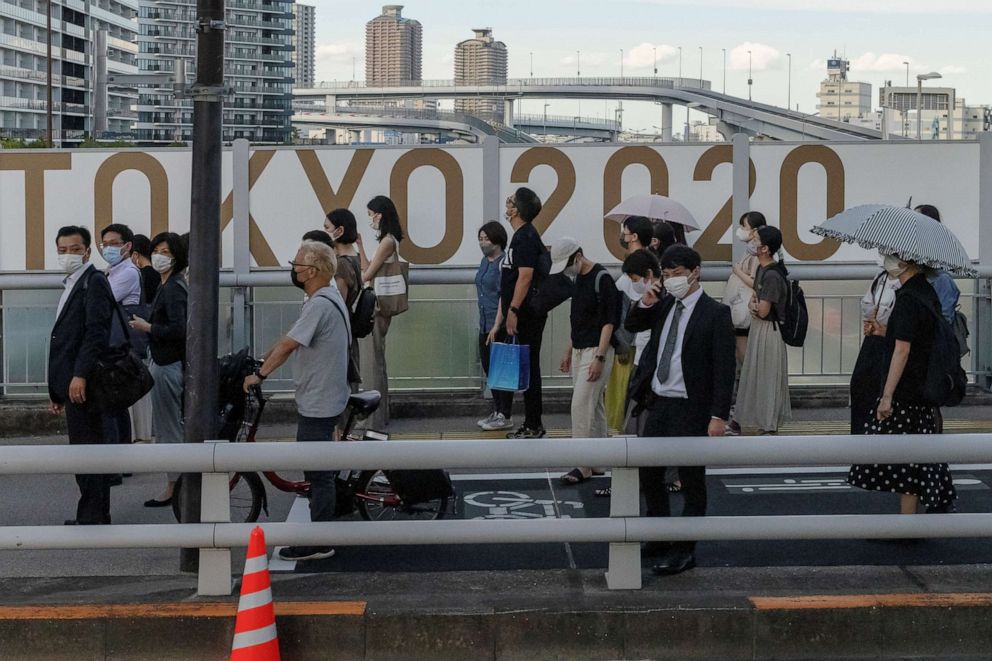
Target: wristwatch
<point>514,309</point>
<point>600,357</point>
<point>261,376</point>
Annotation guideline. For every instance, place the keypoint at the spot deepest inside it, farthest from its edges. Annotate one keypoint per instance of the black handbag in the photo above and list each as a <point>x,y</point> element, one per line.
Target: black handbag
<point>120,378</point>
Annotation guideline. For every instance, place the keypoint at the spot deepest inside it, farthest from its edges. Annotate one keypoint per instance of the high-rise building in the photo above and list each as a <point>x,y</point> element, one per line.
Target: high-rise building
<point>393,46</point>
<point>306,46</point>
<point>76,107</point>
<point>481,60</point>
<point>840,98</point>
<point>258,67</point>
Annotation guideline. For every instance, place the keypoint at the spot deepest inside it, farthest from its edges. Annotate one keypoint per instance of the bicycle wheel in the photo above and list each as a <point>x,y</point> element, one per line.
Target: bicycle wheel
<point>247,498</point>
<point>377,501</point>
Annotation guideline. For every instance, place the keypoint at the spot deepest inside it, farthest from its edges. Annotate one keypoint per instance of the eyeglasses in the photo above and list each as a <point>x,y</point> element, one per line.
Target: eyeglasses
<point>111,244</point>
<point>306,266</point>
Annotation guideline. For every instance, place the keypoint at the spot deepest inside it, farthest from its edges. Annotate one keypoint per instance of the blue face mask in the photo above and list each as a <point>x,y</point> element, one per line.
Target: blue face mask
<point>112,255</point>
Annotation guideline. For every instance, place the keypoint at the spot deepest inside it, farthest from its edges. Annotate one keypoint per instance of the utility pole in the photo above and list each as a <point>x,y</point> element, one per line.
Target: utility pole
<point>578,64</point>
<point>724,70</point>
<point>621,64</point>
<point>49,118</point>
<point>700,67</point>
<point>204,255</point>
<point>788,103</point>
<point>750,80</point>
<point>680,66</point>
<point>654,49</point>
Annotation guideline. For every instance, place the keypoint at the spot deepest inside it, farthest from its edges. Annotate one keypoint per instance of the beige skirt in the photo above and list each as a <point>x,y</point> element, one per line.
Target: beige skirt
<point>763,395</point>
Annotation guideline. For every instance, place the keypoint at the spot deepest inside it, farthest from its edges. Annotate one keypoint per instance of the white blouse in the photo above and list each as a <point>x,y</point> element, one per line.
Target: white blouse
<point>881,296</point>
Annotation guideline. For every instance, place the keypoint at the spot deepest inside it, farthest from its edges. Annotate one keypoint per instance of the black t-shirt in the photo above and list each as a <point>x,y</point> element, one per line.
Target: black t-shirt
<point>150,280</point>
<point>591,311</point>
<point>911,321</point>
<point>525,251</point>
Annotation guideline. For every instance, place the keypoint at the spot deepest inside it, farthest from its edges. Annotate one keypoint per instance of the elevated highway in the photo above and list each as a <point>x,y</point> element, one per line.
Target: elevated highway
<point>734,115</point>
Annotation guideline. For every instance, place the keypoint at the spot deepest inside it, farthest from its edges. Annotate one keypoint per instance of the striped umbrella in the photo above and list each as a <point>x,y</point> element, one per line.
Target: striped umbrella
<point>902,232</point>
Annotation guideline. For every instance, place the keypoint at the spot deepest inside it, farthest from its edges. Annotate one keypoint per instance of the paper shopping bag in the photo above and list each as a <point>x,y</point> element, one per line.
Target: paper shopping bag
<point>509,366</point>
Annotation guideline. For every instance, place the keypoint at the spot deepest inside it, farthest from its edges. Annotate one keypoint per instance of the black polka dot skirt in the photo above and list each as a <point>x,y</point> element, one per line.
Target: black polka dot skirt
<point>931,482</point>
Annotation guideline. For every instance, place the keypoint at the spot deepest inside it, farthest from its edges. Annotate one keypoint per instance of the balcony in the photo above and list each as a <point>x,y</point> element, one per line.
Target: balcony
<point>18,73</point>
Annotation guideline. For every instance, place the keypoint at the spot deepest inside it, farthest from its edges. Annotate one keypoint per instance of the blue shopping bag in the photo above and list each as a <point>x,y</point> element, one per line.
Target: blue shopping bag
<point>509,366</point>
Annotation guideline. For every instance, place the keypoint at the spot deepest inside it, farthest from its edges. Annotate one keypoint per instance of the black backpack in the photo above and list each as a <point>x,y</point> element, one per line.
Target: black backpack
<point>792,318</point>
<point>946,381</point>
<point>363,313</point>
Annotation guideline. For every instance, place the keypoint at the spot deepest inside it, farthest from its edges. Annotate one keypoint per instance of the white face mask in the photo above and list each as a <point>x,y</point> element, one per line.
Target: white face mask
<point>572,271</point>
<point>640,287</point>
<point>751,247</point>
<point>162,263</point>
<point>894,266</point>
<point>678,286</point>
<point>743,234</point>
<point>70,263</point>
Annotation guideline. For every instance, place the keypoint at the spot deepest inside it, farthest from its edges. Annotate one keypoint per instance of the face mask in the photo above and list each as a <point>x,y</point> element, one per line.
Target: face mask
<point>894,266</point>
<point>678,286</point>
<point>488,249</point>
<point>162,263</point>
<point>623,242</point>
<point>295,277</point>
<point>751,247</point>
<point>640,287</point>
<point>743,234</point>
<point>374,221</point>
<point>70,263</point>
<point>112,255</point>
<point>571,271</point>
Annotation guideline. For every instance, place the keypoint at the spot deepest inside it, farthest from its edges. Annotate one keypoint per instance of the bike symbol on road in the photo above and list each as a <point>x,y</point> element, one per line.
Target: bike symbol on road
<point>516,505</point>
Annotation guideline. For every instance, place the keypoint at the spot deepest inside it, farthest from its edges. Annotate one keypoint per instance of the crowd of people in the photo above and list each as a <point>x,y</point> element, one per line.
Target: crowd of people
<point>649,353</point>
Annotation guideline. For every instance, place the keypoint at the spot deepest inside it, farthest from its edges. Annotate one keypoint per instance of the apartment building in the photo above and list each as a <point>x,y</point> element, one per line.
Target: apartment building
<point>482,61</point>
<point>306,45</point>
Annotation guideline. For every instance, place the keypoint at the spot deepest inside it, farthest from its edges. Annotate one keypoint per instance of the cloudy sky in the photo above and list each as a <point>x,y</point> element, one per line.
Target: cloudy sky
<point>876,35</point>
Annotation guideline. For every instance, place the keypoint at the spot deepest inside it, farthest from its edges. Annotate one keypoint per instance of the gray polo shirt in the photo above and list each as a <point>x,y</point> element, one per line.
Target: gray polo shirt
<point>320,367</point>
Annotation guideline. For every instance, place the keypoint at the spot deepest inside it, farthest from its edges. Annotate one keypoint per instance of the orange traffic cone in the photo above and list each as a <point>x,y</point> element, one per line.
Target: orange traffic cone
<point>255,636</point>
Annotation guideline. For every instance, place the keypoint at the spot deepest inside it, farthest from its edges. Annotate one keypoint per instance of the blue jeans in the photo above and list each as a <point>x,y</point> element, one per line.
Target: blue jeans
<point>322,489</point>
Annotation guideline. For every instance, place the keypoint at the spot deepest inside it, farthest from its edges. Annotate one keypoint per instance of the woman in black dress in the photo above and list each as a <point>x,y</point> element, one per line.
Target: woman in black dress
<point>869,372</point>
<point>900,409</point>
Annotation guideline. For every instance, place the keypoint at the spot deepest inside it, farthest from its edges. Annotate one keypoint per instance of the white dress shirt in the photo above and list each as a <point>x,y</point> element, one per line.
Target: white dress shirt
<point>70,282</point>
<point>625,286</point>
<point>125,282</point>
<point>674,385</point>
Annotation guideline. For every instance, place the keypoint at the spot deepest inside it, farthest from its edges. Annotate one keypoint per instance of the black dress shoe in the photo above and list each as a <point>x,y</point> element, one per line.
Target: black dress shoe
<point>115,480</point>
<point>675,563</point>
<point>158,503</point>
<point>76,522</point>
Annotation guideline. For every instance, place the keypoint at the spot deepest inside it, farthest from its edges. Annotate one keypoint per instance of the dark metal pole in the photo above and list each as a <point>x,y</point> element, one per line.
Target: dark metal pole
<point>51,135</point>
<point>204,254</point>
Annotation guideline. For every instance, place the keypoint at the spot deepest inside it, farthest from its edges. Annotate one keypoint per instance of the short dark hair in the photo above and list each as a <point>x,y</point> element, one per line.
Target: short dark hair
<point>344,219</point>
<point>929,210</point>
<point>72,230</point>
<point>177,246</point>
<point>142,245</point>
<point>665,234</point>
<point>528,204</point>
<point>390,222</point>
<point>771,238</point>
<point>496,233</point>
<point>641,227</point>
<point>755,219</point>
<point>640,262</point>
<point>127,236</point>
<point>680,255</point>
<point>320,236</point>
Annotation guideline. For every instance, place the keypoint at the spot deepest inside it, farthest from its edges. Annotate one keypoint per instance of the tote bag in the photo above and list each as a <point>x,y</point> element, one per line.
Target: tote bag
<point>509,366</point>
<point>390,285</point>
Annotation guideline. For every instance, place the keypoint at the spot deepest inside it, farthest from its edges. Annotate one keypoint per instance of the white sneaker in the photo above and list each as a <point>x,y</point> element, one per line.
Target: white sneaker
<point>485,421</point>
<point>499,421</point>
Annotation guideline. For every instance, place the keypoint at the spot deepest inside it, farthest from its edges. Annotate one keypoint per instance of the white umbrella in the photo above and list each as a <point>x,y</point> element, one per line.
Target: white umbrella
<point>655,207</point>
<point>902,232</point>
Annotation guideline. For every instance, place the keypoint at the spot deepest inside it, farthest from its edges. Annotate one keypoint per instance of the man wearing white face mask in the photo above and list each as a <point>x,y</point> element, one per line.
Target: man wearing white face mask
<point>81,334</point>
<point>684,382</point>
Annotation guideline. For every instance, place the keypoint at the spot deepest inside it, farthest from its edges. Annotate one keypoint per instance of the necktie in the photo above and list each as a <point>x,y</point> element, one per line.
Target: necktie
<point>673,332</point>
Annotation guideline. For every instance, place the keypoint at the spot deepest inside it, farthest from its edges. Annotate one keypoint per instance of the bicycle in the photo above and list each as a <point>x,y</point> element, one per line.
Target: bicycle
<point>422,494</point>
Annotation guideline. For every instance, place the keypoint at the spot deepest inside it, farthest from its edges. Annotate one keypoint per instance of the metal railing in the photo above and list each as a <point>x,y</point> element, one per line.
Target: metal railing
<point>624,530</point>
<point>511,83</point>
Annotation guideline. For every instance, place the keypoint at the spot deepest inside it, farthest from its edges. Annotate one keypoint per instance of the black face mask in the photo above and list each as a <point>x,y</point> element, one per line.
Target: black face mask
<point>623,243</point>
<point>295,277</point>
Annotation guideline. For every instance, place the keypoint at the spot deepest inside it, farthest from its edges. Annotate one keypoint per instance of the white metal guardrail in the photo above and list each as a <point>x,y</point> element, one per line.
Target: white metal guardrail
<point>624,530</point>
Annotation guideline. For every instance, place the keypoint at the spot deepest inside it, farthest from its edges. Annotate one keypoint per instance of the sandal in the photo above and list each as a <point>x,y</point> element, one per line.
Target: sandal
<point>675,487</point>
<point>573,476</point>
<point>603,493</point>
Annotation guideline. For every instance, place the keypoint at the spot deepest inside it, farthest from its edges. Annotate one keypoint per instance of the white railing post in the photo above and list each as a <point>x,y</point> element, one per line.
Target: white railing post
<point>214,576</point>
<point>624,571</point>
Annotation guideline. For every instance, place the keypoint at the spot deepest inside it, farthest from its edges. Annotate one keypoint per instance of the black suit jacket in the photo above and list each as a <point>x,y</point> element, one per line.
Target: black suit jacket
<point>81,333</point>
<point>708,359</point>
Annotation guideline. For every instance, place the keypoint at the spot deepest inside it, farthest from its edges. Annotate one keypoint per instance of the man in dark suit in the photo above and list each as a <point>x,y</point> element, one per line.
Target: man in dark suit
<point>684,381</point>
<point>80,335</point>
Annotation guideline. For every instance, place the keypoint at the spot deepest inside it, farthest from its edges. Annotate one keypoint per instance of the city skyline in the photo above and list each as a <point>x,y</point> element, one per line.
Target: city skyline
<point>876,37</point>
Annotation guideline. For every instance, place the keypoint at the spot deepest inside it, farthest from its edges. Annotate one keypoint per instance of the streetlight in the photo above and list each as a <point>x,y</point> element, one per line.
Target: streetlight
<point>724,70</point>
<point>578,64</point>
<point>907,73</point>
<point>749,79</point>
<point>654,49</point>
<point>532,64</point>
<point>621,64</point>
<point>700,67</point>
<point>788,103</point>
<point>919,98</point>
<point>680,66</point>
